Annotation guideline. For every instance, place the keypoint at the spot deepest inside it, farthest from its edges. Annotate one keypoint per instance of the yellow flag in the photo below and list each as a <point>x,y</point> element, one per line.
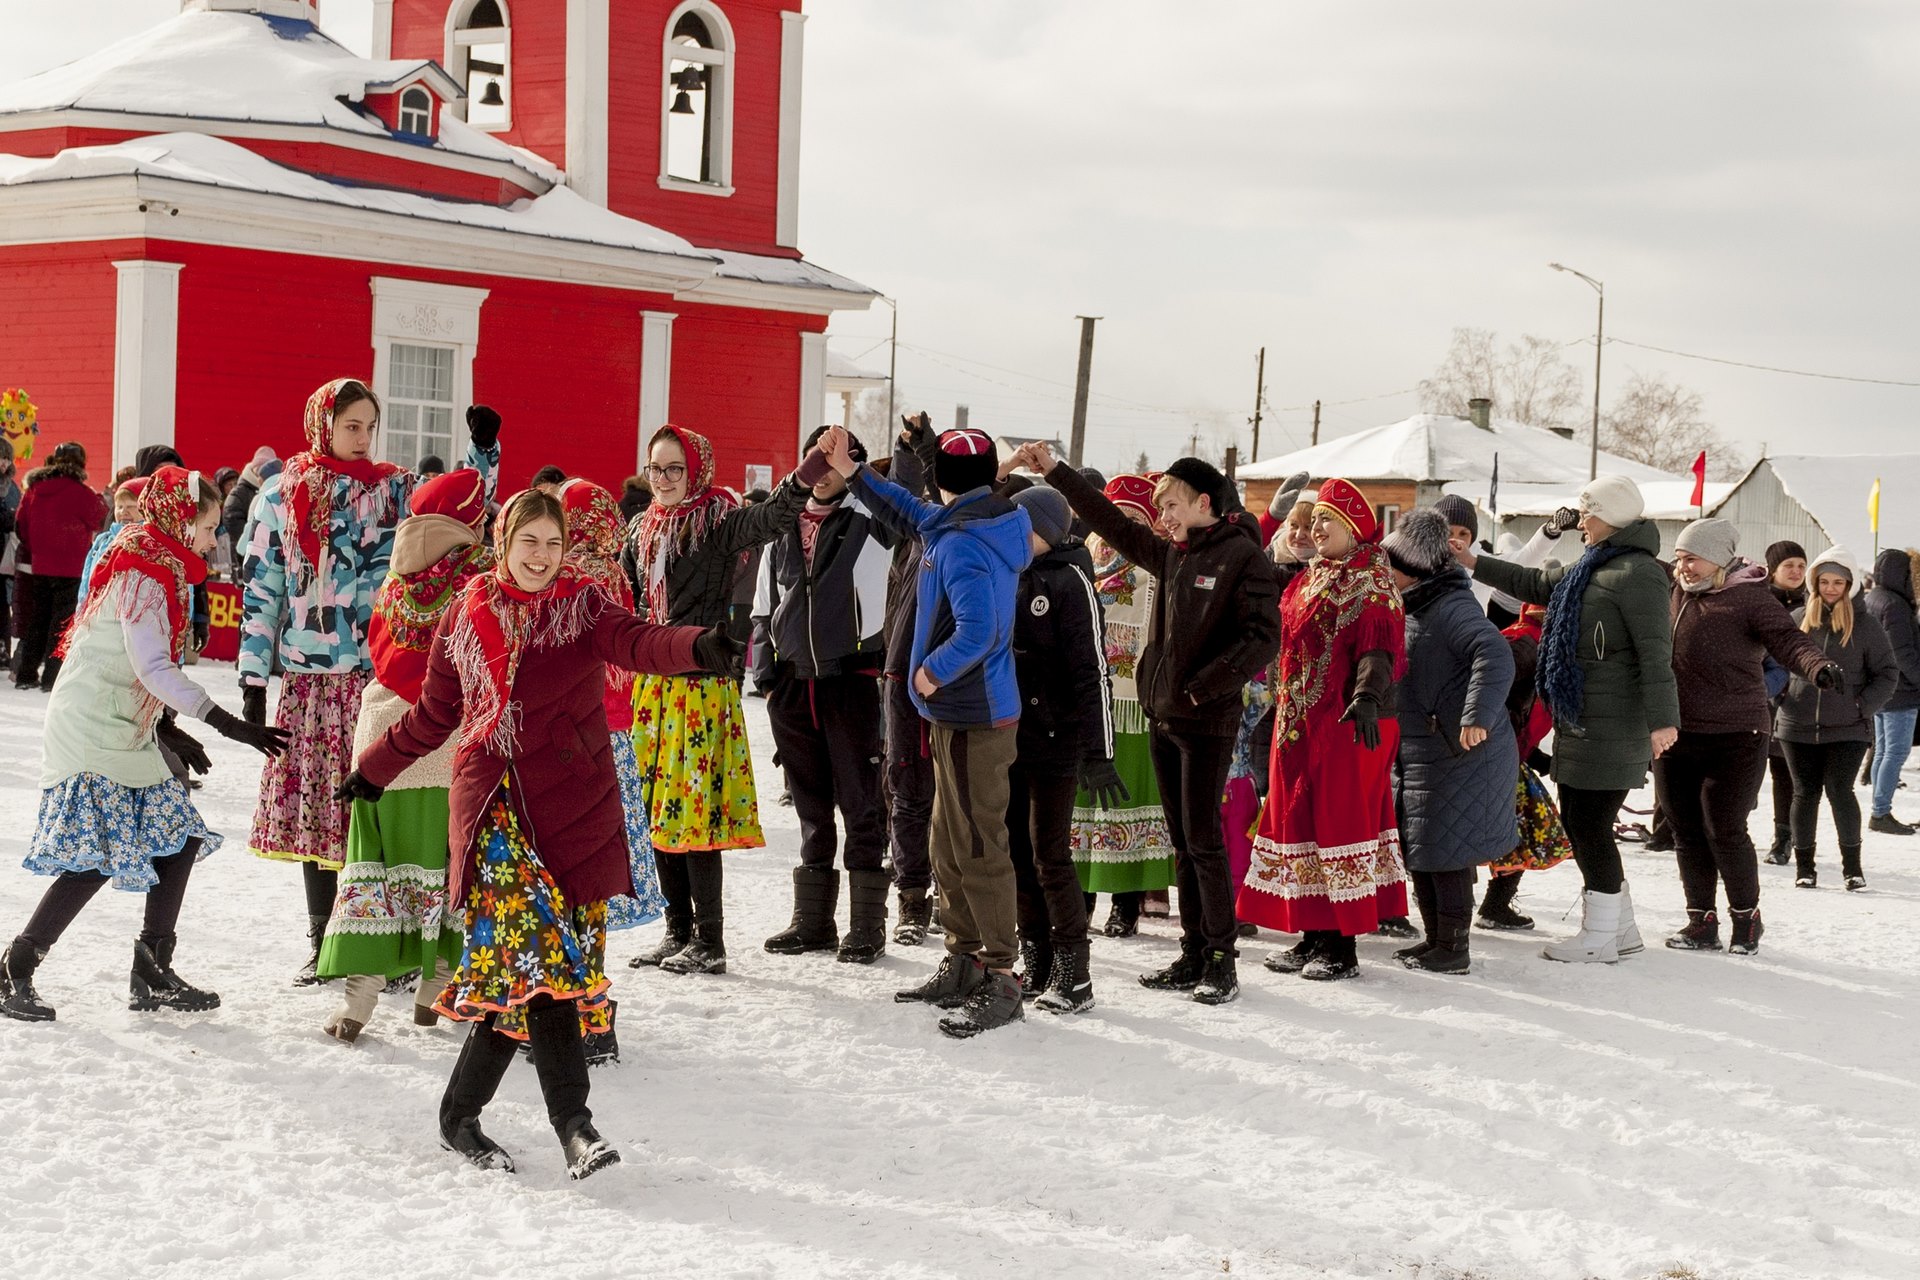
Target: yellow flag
<point>1873,506</point>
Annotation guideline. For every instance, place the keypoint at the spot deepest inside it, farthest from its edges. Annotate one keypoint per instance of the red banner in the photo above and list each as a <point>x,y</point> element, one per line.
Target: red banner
<point>223,623</point>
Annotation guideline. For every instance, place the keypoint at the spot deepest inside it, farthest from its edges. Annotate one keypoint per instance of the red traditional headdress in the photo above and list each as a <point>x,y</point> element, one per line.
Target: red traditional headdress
<point>460,494</point>
<point>1135,492</point>
<point>1345,500</point>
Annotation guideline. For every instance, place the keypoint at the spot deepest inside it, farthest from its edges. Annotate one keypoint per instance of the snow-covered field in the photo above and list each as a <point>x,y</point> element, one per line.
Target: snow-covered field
<point>1676,1115</point>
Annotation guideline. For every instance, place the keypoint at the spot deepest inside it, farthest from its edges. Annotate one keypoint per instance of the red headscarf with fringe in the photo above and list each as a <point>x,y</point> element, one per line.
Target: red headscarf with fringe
<point>593,547</point>
<point>306,484</point>
<point>408,606</point>
<point>665,533</point>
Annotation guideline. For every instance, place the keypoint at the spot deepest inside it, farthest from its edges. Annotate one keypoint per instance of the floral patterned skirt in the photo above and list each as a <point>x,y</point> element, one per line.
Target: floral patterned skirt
<point>647,903</point>
<point>1124,850</point>
<point>391,917</point>
<point>91,823</point>
<point>696,773</point>
<point>298,820</point>
<point>1543,841</point>
<point>523,938</point>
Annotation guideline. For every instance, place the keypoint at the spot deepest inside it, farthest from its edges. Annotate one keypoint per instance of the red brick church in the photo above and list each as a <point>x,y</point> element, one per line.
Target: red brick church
<point>583,213</point>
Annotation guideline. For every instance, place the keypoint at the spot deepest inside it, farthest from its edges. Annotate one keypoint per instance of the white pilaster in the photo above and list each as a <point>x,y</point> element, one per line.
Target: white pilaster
<point>146,353</point>
<point>813,382</point>
<point>787,208</point>
<point>383,30</point>
<point>656,376</point>
<point>587,72</point>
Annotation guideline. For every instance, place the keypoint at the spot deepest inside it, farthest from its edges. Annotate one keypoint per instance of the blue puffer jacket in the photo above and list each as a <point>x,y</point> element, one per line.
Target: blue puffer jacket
<point>322,628</point>
<point>974,550</point>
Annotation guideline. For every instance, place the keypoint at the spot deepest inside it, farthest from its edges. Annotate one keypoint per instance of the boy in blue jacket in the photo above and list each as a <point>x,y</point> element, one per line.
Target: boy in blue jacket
<point>975,546</point>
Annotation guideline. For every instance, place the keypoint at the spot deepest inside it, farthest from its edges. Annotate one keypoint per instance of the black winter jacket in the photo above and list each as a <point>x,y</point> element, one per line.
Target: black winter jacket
<point>1216,611</point>
<point>1808,713</point>
<point>911,469</point>
<point>1059,656</point>
<point>1891,604</point>
<point>829,621</point>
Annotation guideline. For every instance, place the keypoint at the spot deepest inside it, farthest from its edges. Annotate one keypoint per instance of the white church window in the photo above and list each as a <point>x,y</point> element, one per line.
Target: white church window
<point>416,112</point>
<point>419,404</point>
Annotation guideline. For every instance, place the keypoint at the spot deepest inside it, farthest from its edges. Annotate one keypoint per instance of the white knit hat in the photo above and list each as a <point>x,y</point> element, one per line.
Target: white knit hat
<point>1613,500</point>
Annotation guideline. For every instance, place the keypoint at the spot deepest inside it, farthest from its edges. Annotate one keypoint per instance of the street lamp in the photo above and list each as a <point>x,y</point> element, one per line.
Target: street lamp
<point>1599,339</point>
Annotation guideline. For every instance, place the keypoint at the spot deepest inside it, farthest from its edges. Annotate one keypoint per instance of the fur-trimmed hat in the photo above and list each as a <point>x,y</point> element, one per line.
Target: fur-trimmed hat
<point>1344,499</point>
<point>968,459</point>
<point>1418,546</point>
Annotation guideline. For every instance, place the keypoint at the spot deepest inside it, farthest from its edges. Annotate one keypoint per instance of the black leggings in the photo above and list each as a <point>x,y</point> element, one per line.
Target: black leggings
<point>1783,787</point>
<point>1588,817</point>
<point>71,891</point>
<point>1829,767</point>
<point>321,885</point>
<point>1707,784</point>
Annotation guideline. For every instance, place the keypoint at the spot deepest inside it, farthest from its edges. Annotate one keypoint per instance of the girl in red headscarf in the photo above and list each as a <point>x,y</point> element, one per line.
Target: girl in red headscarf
<point>110,809</point>
<point>316,548</point>
<point>390,916</point>
<point>683,554</point>
<point>1326,853</point>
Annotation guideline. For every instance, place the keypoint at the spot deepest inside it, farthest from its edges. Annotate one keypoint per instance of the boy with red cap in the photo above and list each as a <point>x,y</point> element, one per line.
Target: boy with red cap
<point>1214,626</point>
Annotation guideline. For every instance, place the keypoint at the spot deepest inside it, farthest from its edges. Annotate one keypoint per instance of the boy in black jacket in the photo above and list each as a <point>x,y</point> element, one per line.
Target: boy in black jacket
<point>1065,740</point>
<point>1215,625</point>
<point>821,599</point>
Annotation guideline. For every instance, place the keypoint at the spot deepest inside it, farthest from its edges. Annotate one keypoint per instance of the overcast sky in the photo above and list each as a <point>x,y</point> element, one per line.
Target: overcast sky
<point>1345,184</point>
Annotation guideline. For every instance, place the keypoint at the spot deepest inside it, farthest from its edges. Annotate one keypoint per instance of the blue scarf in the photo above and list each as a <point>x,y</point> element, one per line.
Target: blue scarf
<point>1559,677</point>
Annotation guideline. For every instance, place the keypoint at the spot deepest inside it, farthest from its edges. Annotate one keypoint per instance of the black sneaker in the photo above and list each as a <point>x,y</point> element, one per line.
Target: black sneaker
<point>994,1003</point>
<point>958,977</point>
<point>1183,974</point>
<point>1855,883</point>
<point>1888,825</point>
<point>1219,980</point>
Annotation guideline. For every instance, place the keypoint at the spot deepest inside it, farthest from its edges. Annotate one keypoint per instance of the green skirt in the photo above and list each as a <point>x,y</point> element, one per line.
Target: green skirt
<point>390,917</point>
<point>1125,850</point>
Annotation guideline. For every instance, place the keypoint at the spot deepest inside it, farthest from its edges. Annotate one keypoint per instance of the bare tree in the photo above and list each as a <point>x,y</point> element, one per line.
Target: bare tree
<point>1528,381</point>
<point>1663,424</point>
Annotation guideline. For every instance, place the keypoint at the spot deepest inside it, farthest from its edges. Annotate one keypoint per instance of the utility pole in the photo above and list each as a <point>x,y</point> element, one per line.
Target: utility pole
<point>1231,462</point>
<point>1193,442</point>
<point>1078,443</point>
<point>960,417</point>
<point>1316,422</point>
<point>1259,394</point>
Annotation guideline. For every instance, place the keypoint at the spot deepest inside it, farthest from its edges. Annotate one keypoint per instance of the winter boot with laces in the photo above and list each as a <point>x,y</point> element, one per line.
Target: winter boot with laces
<point>1746,932</point>
<point>1219,980</point>
<point>1296,957</point>
<point>1598,941</point>
<point>816,894</point>
<point>1070,988</point>
<point>1805,874</point>
<point>916,909</point>
<point>154,985</point>
<point>1036,966</point>
<point>1123,915</point>
<point>994,1003</point>
<point>1702,933</point>
<point>1183,974</point>
<point>1496,909</point>
<point>18,999</point>
<point>866,938</point>
<point>1856,879</point>
<point>957,977</point>
<point>309,975</point>
<point>1337,962</point>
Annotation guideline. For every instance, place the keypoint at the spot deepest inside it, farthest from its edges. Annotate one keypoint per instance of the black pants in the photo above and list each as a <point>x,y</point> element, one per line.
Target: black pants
<point>1192,772</point>
<point>1707,784</point>
<point>1588,817</point>
<point>828,733</point>
<point>909,785</point>
<point>1443,895</point>
<point>71,891</point>
<point>1828,767</point>
<point>1040,837</point>
<point>49,605</point>
<point>1782,776</point>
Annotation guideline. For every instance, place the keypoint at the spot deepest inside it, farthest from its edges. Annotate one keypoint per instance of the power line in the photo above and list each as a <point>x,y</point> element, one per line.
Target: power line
<point>1765,368</point>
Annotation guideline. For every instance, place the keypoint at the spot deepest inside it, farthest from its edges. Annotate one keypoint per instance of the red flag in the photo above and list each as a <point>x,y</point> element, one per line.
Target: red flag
<point>1699,470</point>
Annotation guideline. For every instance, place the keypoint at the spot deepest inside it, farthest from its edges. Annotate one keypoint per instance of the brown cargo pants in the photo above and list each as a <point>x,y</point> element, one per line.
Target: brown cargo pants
<point>972,865</point>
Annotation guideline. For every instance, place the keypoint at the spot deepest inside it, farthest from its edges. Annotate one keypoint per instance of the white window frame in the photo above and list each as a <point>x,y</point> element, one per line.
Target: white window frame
<point>390,401</point>
<point>460,39</point>
<point>423,314</point>
<point>416,100</point>
<point>719,104</point>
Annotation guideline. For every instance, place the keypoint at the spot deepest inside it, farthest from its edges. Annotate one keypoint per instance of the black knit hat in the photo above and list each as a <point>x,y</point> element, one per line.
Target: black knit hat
<point>1203,477</point>
<point>1783,550</point>
<point>1418,546</point>
<point>1456,510</point>
<point>968,459</point>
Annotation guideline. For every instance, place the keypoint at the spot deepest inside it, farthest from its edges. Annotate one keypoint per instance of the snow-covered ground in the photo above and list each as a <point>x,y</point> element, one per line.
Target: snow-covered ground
<point>1676,1115</point>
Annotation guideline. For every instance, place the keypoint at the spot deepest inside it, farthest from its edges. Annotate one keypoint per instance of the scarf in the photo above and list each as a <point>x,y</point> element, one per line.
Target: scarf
<point>1330,600</point>
<point>154,546</point>
<point>593,550</point>
<point>306,484</point>
<point>494,624</point>
<point>662,534</point>
<point>1560,679</point>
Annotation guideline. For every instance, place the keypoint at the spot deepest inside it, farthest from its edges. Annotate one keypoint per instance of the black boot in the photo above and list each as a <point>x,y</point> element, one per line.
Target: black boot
<point>1183,974</point>
<point>1070,988</point>
<point>1219,980</point>
<point>586,1151</point>
<point>1448,954</point>
<point>958,977</point>
<point>866,937</point>
<point>1123,915</point>
<point>1856,879</point>
<point>18,999</point>
<point>1782,842</point>
<point>816,894</point>
<point>994,1003</point>
<point>1396,927</point>
<point>1496,909</point>
<point>309,975</point>
<point>484,1058</point>
<point>559,1057</point>
<point>1424,897</point>
<point>677,888</point>
<point>707,953</point>
<point>1338,962</point>
<point>1805,875</point>
<point>1746,932</point>
<point>603,1047</point>
<point>916,909</point>
<point>1295,957</point>
<point>1702,933</point>
<point>154,985</point>
<point>1036,966</point>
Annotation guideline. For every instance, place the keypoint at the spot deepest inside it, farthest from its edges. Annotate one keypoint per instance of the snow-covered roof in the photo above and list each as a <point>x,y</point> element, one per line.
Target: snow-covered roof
<point>841,369</point>
<point>1441,448</point>
<point>1834,490</point>
<point>792,273</point>
<point>245,67</point>
<point>1665,499</point>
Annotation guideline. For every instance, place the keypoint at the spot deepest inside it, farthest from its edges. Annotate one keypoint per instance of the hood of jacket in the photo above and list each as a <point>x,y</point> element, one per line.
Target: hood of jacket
<point>1641,535</point>
<point>1421,595</point>
<point>1000,525</point>
<point>420,540</point>
<point>1891,569</point>
<point>53,469</point>
<point>1741,573</point>
<point>1072,552</point>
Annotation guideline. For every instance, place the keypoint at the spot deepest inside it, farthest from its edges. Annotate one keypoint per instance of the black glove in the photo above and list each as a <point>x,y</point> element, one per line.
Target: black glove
<point>267,739</point>
<point>1099,779</point>
<point>201,629</point>
<point>1563,519</point>
<point>915,428</point>
<point>253,703</point>
<point>483,426</point>
<point>1364,712</point>
<point>720,653</point>
<point>356,787</point>
<point>185,747</point>
<point>1828,677</point>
